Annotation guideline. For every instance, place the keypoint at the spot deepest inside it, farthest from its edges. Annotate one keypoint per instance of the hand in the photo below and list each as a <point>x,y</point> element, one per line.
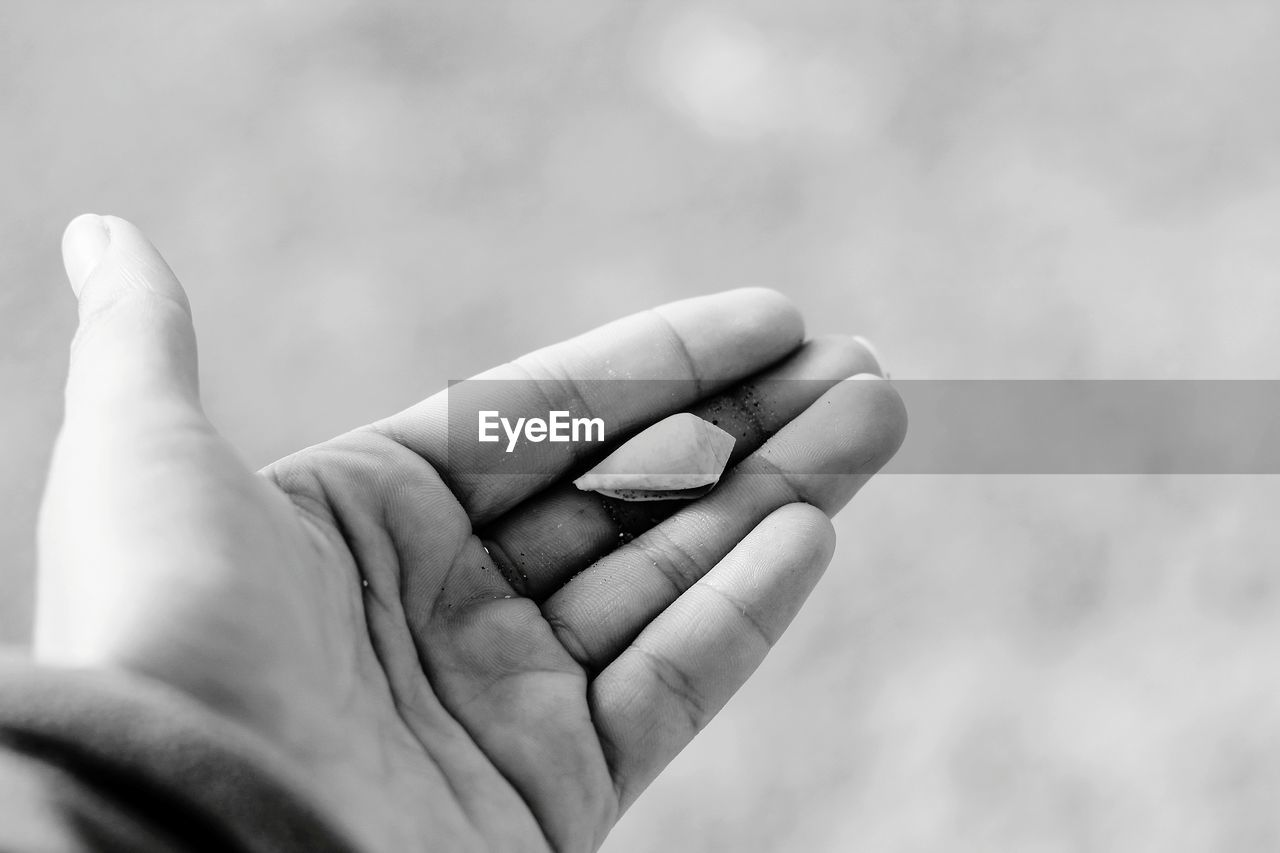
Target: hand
<point>454,661</point>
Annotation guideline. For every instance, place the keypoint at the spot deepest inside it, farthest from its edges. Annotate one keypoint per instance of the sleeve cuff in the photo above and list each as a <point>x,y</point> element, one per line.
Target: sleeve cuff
<point>96,760</point>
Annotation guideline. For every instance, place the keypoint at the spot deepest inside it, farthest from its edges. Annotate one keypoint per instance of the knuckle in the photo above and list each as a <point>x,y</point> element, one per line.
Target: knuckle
<point>679,565</point>
<point>695,710</point>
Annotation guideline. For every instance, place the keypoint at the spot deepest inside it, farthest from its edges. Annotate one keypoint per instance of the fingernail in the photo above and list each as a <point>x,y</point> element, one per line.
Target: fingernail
<point>875,353</point>
<point>84,244</point>
<point>868,376</point>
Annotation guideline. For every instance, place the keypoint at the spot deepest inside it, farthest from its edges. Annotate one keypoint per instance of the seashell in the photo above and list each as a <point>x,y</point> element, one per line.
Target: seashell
<point>678,458</point>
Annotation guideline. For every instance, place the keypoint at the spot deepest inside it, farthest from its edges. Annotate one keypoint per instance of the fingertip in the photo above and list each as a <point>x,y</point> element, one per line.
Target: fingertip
<point>883,413</point>
<point>850,432</point>
<point>828,356</point>
<point>723,330</point>
<point>764,307</point>
<point>117,255</point>
<point>84,244</point>
<point>875,354</point>
<point>809,527</point>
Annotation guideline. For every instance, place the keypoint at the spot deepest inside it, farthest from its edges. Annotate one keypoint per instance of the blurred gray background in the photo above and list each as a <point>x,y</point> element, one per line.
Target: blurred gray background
<point>367,199</point>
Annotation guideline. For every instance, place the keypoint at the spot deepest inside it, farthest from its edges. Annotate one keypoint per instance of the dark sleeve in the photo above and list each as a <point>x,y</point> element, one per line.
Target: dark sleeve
<point>95,760</point>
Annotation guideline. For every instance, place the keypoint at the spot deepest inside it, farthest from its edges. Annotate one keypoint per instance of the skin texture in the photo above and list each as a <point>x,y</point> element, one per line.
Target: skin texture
<point>451,658</point>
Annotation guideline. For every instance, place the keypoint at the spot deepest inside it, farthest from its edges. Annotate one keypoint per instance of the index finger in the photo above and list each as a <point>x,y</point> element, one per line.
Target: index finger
<point>704,344</point>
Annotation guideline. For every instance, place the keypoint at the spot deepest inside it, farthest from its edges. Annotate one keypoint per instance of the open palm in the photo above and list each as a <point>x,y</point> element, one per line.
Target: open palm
<point>448,657</point>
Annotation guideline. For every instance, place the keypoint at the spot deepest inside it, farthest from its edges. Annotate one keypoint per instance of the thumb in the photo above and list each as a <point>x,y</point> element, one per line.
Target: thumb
<point>134,444</point>
<point>135,349</point>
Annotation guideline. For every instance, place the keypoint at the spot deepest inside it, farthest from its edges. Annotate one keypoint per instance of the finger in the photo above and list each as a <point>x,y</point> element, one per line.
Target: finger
<point>559,532</point>
<point>681,670</point>
<point>132,423</point>
<point>822,458</point>
<point>135,350</point>
<point>693,347</point>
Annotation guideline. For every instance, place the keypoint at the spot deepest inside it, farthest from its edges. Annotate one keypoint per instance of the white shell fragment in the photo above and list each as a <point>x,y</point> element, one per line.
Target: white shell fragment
<point>678,458</point>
